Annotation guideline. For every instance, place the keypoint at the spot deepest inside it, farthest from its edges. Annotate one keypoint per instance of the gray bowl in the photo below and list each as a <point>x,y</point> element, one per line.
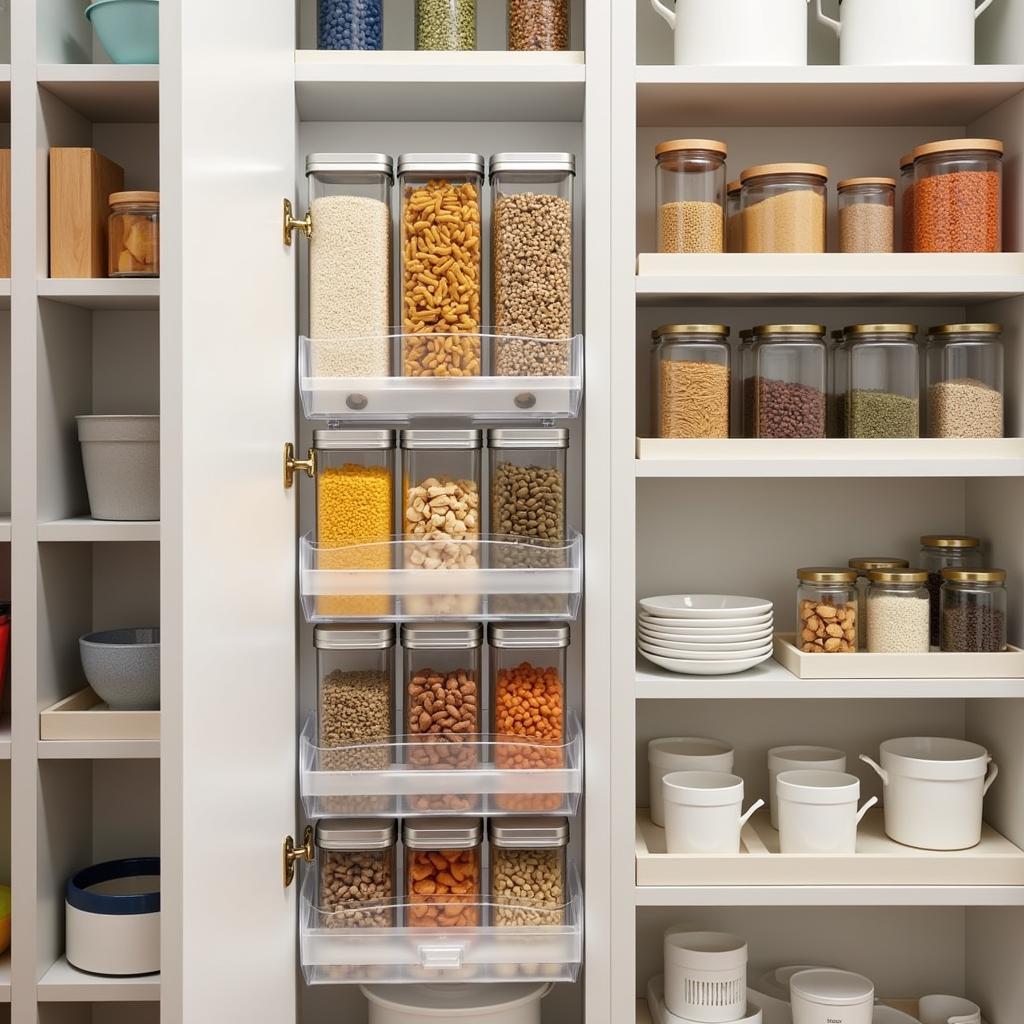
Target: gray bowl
<point>123,667</point>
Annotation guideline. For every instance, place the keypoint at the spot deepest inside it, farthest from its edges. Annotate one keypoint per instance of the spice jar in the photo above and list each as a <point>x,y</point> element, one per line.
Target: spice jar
<point>350,24</point>
<point>133,234</point>
<point>528,705</point>
<point>840,382</point>
<point>532,259</point>
<point>440,262</point>
<point>733,217</point>
<point>538,24</point>
<point>355,512</point>
<point>747,388</point>
<point>945,552</point>
<point>443,872</point>
<point>964,380</point>
<point>863,567</point>
<point>690,195</point>
<point>958,196</point>
<point>907,202</point>
<point>693,380</point>
<point>350,263</point>
<point>867,209</point>
<point>528,875</point>
<point>790,378</point>
<point>973,610</point>
<point>784,208</point>
<point>445,24</point>
<point>897,611</point>
<point>883,397</point>
<point>827,611</point>
<point>355,862</point>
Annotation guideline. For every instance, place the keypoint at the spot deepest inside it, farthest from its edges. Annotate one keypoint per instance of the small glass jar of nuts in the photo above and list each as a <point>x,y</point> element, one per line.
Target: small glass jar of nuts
<point>827,610</point>
<point>133,234</point>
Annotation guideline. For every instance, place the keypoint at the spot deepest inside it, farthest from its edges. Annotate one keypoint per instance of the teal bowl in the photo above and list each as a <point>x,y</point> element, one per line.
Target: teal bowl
<point>128,29</point>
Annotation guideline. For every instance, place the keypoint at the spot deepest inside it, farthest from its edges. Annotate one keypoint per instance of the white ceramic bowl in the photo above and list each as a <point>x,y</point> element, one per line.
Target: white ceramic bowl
<point>690,667</point>
<point>705,606</point>
<point>763,619</point>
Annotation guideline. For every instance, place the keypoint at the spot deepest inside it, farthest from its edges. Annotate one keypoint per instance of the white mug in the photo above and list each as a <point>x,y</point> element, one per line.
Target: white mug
<point>704,812</point>
<point>948,1010</point>
<point>795,758</point>
<point>818,812</point>
<point>682,754</point>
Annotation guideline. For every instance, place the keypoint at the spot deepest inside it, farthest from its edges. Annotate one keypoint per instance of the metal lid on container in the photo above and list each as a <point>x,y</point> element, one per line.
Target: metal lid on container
<point>766,170</point>
<point>966,329</point>
<point>353,440</point>
<point>719,330</point>
<point>786,329</point>
<point>528,636</point>
<point>353,638</point>
<point>440,440</point>
<point>974,575</point>
<point>832,988</point>
<point>355,834</point>
<point>685,145</point>
<point>350,163</point>
<point>877,562</point>
<point>959,146</point>
<point>442,833</point>
<point>442,638</point>
<point>894,574</point>
<point>854,182</point>
<point>441,163</point>
<point>951,540</point>
<point>541,437</point>
<point>869,330</point>
<point>529,833</point>
<point>826,574</point>
<point>530,162</point>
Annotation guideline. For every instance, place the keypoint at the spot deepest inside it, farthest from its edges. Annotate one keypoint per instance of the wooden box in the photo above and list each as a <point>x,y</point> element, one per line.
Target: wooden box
<point>81,181</point>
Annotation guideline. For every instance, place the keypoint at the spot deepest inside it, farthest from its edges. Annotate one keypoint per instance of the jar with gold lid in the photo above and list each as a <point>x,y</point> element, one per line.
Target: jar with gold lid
<point>945,551</point>
<point>790,380</point>
<point>897,611</point>
<point>864,566</point>
<point>690,195</point>
<point>973,610</point>
<point>964,380</point>
<point>883,396</point>
<point>693,380</point>
<point>827,610</point>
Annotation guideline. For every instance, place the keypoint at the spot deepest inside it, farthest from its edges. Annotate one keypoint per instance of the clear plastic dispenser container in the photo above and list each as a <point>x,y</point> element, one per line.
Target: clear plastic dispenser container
<point>445,24</point>
<point>443,872</point>
<point>950,551</point>
<point>883,397</point>
<point>690,195</point>
<point>694,380</point>
<point>790,380</point>
<point>864,566</point>
<point>907,202</point>
<point>973,610</point>
<point>897,611</point>
<point>827,610</point>
<point>538,24</point>
<point>785,208</point>
<point>964,380</point>
<point>734,217</point>
<point>355,864</point>
<point>867,209</point>
<point>528,879</point>
<point>350,24</point>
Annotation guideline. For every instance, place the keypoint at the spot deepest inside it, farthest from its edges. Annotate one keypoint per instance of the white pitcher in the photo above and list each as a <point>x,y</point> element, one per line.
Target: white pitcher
<point>905,31</point>
<point>738,31</point>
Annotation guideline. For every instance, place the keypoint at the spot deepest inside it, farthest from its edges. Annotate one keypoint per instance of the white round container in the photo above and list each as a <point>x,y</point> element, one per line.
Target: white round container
<point>682,754</point>
<point>948,1010</point>
<point>831,997</point>
<point>704,812</point>
<point>818,812</point>
<point>798,758</point>
<point>933,791</point>
<point>495,1004</point>
<point>738,31</point>
<point>705,976</point>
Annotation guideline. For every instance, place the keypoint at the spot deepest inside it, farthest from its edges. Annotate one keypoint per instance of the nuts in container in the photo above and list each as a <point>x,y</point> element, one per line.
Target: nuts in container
<point>827,611</point>
<point>356,865</point>
<point>528,871</point>
<point>442,872</point>
<point>133,232</point>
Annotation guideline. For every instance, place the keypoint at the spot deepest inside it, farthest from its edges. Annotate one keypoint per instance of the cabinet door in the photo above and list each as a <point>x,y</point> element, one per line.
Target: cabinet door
<point>227,115</point>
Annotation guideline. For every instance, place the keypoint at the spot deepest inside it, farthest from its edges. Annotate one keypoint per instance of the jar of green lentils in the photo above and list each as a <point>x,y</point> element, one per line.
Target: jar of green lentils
<point>445,24</point>
<point>883,388</point>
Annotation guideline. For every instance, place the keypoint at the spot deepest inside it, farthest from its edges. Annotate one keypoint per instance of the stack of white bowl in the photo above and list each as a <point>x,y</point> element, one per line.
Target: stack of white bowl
<point>705,634</point>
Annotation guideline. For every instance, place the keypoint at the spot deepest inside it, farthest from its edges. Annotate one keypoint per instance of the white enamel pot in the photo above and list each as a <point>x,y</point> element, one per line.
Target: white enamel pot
<point>704,812</point>
<point>818,812</point>
<point>905,31</point>
<point>933,791</point>
<point>735,32</point>
<point>682,754</point>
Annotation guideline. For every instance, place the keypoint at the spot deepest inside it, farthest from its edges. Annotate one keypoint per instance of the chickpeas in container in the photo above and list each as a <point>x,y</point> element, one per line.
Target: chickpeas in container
<point>528,871</point>
<point>355,860</point>
<point>443,872</point>
<point>827,611</point>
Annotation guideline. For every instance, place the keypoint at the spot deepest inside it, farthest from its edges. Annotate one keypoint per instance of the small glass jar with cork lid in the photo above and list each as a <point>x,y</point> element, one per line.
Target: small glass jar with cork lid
<point>133,234</point>
<point>785,208</point>
<point>690,195</point>
<point>827,610</point>
<point>867,209</point>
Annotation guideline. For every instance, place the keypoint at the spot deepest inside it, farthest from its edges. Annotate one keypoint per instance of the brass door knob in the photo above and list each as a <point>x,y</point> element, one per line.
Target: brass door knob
<point>293,853</point>
<point>292,224</point>
<point>293,465</point>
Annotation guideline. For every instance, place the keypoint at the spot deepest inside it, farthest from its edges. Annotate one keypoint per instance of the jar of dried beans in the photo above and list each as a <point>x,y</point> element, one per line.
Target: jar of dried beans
<point>133,233</point>
<point>939,552</point>
<point>863,567</point>
<point>867,209</point>
<point>690,195</point>
<point>733,217</point>
<point>827,611</point>
<point>784,208</point>
<point>973,610</point>
<point>958,196</point>
<point>538,24</point>
<point>883,397</point>
<point>907,202</point>
<point>839,382</point>
<point>747,387</point>
<point>528,705</point>
<point>532,260</point>
<point>355,863</point>
<point>528,871</point>
<point>964,380</point>
<point>897,611</point>
<point>790,380</point>
<point>350,263</point>
<point>445,24</point>
<point>443,872</point>
<point>440,263</point>
<point>694,380</point>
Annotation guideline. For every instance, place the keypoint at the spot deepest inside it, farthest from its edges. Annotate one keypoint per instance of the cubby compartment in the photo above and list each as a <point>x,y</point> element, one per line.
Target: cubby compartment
<point>81,1011</point>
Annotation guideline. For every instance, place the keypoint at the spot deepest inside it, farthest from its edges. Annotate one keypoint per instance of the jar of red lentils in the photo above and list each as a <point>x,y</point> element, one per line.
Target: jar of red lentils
<point>958,196</point>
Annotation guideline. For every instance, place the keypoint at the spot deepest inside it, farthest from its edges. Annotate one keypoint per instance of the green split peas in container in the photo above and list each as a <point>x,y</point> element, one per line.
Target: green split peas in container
<point>445,24</point>
<point>883,397</point>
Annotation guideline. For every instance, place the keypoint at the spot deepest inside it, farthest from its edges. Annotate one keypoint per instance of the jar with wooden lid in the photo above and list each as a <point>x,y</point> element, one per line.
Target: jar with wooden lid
<point>907,202</point>
<point>784,208</point>
<point>883,397</point>
<point>133,234</point>
<point>973,610</point>
<point>690,195</point>
<point>733,217</point>
<point>897,611</point>
<point>864,565</point>
<point>867,208</point>
<point>949,551</point>
<point>790,380</point>
<point>827,610</point>
<point>693,380</point>
<point>964,380</point>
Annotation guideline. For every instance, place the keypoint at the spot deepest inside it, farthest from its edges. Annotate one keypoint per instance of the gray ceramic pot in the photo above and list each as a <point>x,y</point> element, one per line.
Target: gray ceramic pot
<point>121,456</point>
<point>123,667</point>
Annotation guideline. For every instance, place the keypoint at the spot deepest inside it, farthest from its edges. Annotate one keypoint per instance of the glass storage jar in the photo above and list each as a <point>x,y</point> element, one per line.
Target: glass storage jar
<point>790,380</point>
<point>863,567</point>
<point>733,217</point>
<point>443,872</point>
<point>884,393</point>
<point>538,24</point>
<point>133,234</point>
<point>785,208</point>
<point>958,196</point>
<point>907,202</point>
<point>747,388</point>
<point>445,24</point>
<point>964,380</point>
<point>350,263</point>
<point>528,871</point>
<point>356,869</point>
<point>355,511</point>
<point>690,195</point>
<point>946,552</point>
<point>528,705</point>
<point>839,376</point>
<point>827,611</point>
<point>867,209</point>
<point>350,24</point>
<point>532,261</point>
<point>973,610</point>
<point>897,611</point>
<point>440,263</point>
<point>694,380</point>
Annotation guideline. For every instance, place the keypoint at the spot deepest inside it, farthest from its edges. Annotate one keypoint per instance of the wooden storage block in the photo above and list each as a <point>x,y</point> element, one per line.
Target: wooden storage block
<point>81,181</point>
<point>5,213</point>
<point>83,716</point>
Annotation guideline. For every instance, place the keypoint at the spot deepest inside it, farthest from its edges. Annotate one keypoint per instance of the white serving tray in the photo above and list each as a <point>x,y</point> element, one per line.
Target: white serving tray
<point>83,716</point>
<point>1008,664</point>
<point>878,860</point>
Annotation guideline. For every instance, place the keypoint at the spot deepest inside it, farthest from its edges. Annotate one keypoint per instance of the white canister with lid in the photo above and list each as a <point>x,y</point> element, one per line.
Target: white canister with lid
<point>705,976</point>
<point>474,1004</point>
<point>799,758</point>
<point>831,997</point>
<point>682,754</point>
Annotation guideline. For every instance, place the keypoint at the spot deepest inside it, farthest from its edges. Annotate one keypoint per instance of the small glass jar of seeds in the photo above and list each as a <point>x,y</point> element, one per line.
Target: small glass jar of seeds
<point>445,24</point>
<point>864,566</point>
<point>827,611</point>
<point>973,610</point>
<point>945,551</point>
<point>355,864</point>
<point>733,217</point>
<point>690,195</point>
<point>867,209</point>
<point>790,380</point>
<point>538,24</point>
<point>694,380</point>
<point>897,611</point>
<point>964,380</point>
<point>443,872</point>
<point>883,396</point>
<point>528,871</point>
<point>785,208</point>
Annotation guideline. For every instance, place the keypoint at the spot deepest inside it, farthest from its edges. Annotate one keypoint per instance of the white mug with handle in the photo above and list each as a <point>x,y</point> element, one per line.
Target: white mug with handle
<point>704,812</point>
<point>948,1010</point>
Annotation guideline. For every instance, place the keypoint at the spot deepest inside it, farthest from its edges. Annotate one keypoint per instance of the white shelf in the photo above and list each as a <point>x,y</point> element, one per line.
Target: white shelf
<point>822,95</point>
<point>829,896</point>
<point>85,750</point>
<point>63,983</point>
<point>84,529</point>
<point>102,292</point>
<point>105,93</point>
